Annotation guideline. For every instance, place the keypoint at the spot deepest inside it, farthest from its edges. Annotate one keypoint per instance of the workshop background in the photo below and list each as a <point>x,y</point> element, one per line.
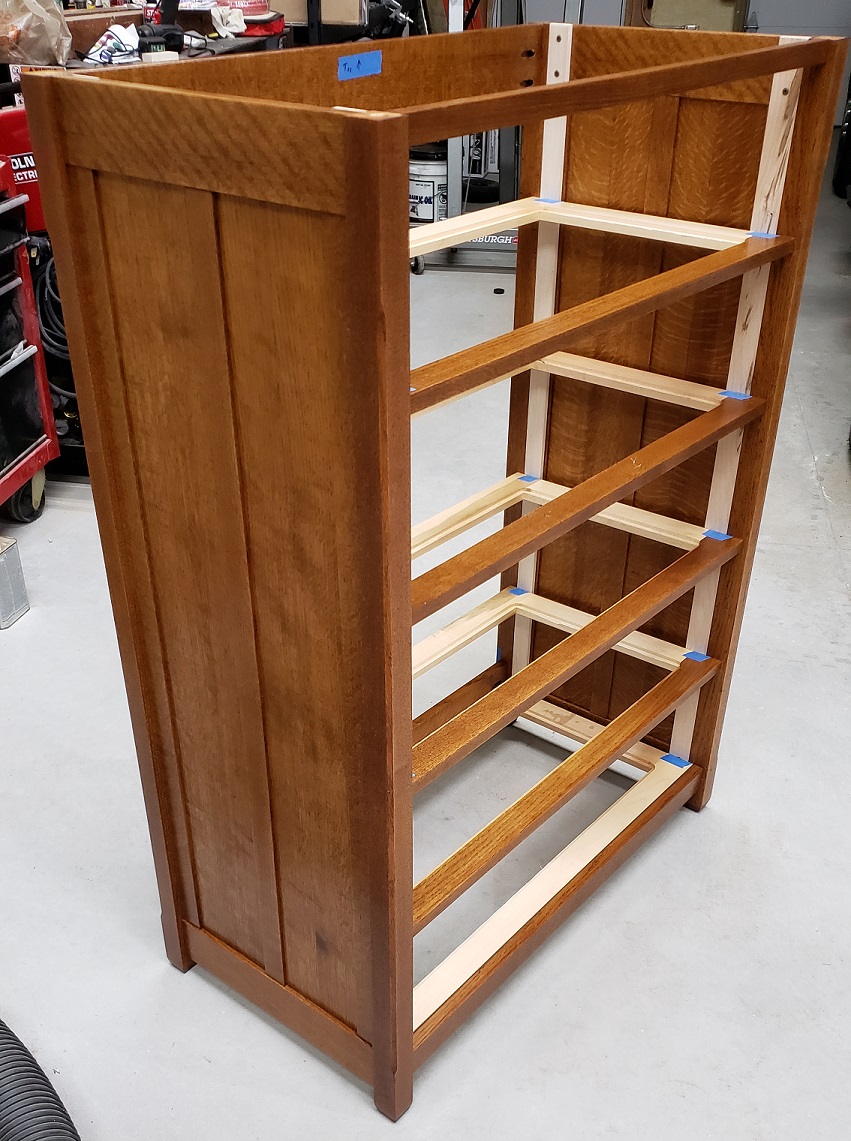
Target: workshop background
<point>704,991</point>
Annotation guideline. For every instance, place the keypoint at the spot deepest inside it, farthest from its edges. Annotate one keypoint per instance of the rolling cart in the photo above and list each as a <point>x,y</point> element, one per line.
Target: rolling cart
<point>27,429</point>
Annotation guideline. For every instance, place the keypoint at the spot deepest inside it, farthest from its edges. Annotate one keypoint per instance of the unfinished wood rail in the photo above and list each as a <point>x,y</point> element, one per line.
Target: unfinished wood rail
<point>264,613</point>
<point>527,489</point>
<point>451,231</point>
<point>470,568</point>
<point>460,736</point>
<point>465,371</point>
<point>510,603</point>
<point>443,886</point>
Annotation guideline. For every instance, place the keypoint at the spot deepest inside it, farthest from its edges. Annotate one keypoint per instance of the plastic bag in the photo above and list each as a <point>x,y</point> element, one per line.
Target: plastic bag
<point>34,32</point>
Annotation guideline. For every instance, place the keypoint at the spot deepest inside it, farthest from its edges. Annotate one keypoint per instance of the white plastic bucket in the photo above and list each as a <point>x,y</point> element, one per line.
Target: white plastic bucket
<point>427,187</point>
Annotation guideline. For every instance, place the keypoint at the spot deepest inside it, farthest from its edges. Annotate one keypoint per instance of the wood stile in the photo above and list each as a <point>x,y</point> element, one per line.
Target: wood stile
<point>553,149</point>
<point>768,199</point>
<point>245,841</point>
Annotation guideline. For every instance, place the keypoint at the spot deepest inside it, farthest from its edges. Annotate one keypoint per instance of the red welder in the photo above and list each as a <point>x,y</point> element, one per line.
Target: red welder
<point>28,438</point>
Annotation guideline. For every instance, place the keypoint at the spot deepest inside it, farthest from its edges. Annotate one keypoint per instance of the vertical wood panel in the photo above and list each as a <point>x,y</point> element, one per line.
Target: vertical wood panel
<point>310,566</point>
<point>323,425</point>
<point>178,397</point>
<point>619,157</point>
<point>715,167</point>
<point>72,209</point>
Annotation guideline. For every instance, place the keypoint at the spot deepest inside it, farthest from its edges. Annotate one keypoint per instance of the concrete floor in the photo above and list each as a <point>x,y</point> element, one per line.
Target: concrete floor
<point>704,992</point>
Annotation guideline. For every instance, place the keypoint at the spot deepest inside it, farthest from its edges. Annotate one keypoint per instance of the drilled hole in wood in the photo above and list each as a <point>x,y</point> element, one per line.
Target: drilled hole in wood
<point>528,53</point>
<point>556,74</point>
<point>526,82</point>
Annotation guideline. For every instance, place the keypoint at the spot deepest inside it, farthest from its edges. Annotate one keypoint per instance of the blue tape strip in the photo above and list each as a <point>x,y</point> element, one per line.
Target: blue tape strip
<point>528,478</point>
<point>731,394</point>
<point>359,65</point>
<point>673,759</point>
<point>719,535</point>
<point>518,590</point>
<point>761,234</point>
<point>498,654</point>
<point>696,656</point>
<point>413,389</point>
<point>548,200</point>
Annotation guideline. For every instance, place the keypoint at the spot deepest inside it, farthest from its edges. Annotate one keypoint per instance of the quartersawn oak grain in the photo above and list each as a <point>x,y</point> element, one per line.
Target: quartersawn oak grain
<point>248,436</point>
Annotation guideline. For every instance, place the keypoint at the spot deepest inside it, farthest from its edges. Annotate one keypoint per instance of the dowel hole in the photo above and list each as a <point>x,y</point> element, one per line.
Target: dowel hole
<point>556,74</point>
<point>558,39</point>
<point>526,82</point>
<point>528,53</point>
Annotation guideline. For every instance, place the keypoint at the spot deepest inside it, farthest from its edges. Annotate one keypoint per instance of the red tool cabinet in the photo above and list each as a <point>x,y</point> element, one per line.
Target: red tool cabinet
<point>27,429</point>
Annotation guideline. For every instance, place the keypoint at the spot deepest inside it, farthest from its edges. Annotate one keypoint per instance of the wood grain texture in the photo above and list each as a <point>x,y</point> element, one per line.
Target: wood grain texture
<point>470,568</point>
<point>603,51</point>
<point>472,860</point>
<point>70,203</point>
<point>252,473</point>
<point>622,157</point>
<point>420,68</point>
<point>459,700</point>
<point>203,142</point>
<point>298,828</point>
<point>282,1002</point>
<point>464,371</point>
<point>490,112</point>
<point>809,151</point>
<point>342,819</point>
<point>458,738</point>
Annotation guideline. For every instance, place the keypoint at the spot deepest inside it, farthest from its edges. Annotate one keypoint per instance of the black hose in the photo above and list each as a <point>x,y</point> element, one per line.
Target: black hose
<point>50,318</point>
<point>30,1109</point>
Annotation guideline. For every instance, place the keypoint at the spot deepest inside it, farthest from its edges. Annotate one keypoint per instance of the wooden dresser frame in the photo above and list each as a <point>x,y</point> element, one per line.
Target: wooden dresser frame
<point>245,385</point>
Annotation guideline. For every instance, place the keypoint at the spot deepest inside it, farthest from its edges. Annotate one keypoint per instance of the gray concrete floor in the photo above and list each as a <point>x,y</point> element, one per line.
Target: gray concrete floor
<point>704,992</point>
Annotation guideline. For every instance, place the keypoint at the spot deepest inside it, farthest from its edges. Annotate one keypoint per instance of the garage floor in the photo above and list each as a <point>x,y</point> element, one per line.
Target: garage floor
<point>704,992</point>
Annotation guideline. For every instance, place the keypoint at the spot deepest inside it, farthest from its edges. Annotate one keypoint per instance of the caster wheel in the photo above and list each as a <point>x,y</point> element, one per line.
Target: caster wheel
<point>418,265</point>
<point>27,504</point>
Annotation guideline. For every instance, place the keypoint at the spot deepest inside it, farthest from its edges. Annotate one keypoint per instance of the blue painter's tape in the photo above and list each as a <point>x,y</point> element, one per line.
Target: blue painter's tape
<point>528,478</point>
<point>761,234</point>
<point>518,590</point>
<point>719,535</point>
<point>359,65</point>
<point>498,654</point>
<point>696,656</point>
<point>413,389</point>
<point>548,200</point>
<point>731,394</point>
<point>673,759</point>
